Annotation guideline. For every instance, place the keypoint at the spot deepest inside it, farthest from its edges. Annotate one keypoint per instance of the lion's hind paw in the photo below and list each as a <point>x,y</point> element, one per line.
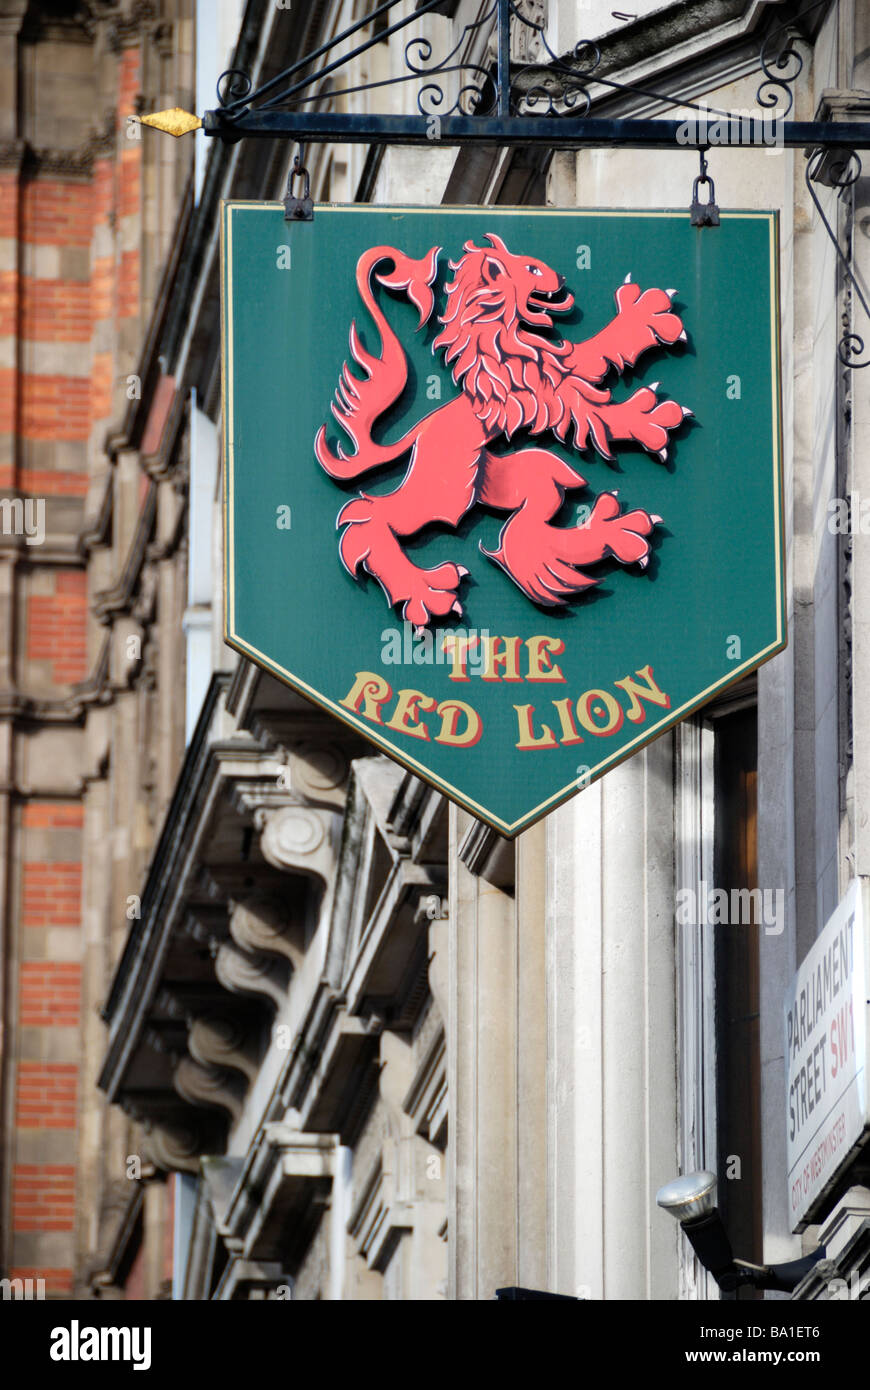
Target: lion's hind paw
<point>546,578</point>
<point>433,594</point>
<point>545,561</point>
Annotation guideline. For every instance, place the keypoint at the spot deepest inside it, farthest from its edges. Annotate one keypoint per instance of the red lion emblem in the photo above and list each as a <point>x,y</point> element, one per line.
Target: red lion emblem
<point>511,378</point>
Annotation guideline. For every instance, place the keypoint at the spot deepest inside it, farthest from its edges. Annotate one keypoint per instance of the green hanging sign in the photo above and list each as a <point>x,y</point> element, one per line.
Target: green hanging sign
<point>503,486</point>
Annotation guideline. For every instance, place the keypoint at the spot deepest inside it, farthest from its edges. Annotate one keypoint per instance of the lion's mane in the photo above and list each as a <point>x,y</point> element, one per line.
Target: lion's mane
<point>514,378</point>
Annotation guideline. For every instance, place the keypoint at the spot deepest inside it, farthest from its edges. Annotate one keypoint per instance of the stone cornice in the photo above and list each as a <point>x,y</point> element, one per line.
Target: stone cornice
<point>95,531</point>
<point>486,853</point>
<point>283,1169</point>
<point>78,26</point>
<point>24,709</point>
<point>220,938</point>
<point>126,30</point>
<point>55,162</point>
<point>119,598</point>
<point>13,154</point>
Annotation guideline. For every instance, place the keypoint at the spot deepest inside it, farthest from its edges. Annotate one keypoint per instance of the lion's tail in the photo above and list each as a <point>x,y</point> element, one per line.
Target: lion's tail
<point>358,404</point>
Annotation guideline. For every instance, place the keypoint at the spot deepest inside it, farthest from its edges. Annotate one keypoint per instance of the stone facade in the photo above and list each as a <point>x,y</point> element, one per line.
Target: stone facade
<point>352,1044</point>
<point>88,210</point>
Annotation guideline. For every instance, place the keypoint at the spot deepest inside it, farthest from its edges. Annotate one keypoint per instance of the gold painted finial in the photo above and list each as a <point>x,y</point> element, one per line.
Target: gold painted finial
<point>175,122</point>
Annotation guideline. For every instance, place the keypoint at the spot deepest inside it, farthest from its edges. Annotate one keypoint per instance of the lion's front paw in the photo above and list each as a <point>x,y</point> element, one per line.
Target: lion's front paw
<point>648,317</point>
<point>648,419</point>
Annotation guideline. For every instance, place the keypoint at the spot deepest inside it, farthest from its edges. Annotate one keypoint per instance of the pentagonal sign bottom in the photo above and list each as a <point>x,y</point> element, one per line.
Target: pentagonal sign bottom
<point>503,486</point>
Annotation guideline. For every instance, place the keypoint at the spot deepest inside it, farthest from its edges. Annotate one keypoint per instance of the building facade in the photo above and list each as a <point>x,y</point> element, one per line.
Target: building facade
<point>303,1028</point>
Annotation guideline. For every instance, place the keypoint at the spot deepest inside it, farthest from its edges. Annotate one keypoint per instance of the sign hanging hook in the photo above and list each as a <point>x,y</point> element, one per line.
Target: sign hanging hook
<point>704,214</point>
<point>298,209</point>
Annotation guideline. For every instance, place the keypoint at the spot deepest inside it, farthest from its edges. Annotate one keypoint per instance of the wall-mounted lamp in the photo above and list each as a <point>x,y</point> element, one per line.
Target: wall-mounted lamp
<point>691,1200</point>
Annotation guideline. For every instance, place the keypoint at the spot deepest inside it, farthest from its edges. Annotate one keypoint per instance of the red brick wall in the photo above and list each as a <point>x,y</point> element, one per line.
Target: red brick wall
<point>128,286</point>
<point>55,311</point>
<point>51,894</point>
<point>46,1095</point>
<point>57,1281</point>
<point>55,407</point>
<point>58,212</point>
<point>49,994</point>
<point>9,282</point>
<point>53,815</point>
<point>9,195</point>
<point>43,1197</point>
<point>50,415</point>
<point>57,627</point>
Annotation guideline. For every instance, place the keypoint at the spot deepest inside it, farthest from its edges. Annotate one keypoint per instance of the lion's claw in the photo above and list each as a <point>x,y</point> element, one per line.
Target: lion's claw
<point>545,560</point>
<point>429,593</point>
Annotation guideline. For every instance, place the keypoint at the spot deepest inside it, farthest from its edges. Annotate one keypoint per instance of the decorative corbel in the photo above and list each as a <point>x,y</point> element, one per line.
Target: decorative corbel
<point>216,1040</point>
<point>299,839</point>
<point>261,976</point>
<point>210,1086</point>
<point>265,923</point>
<point>174,1148</point>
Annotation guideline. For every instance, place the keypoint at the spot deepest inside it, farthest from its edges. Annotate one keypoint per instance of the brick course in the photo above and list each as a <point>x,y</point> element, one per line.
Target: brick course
<point>55,407</point>
<point>53,815</point>
<point>59,1281</point>
<point>57,628</point>
<point>8,203</point>
<point>49,994</point>
<point>128,285</point>
<point>46,1097</point>
<point>43,1197</point>
<point>46,482</point>
<point>9,286</point>
<point>57,212</point>
<point>55,311</point>
<point>51,894</point>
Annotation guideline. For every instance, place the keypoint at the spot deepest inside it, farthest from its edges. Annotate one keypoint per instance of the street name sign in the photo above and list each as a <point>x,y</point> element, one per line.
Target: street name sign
<point>502,486</point>
<point>826,1061</point>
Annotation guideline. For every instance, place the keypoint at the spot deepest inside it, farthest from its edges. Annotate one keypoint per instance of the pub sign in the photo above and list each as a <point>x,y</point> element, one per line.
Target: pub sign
<point>502,486</point>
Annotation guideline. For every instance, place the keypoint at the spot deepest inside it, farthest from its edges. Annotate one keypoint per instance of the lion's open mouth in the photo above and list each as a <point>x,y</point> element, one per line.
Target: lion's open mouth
<point>541,303</point>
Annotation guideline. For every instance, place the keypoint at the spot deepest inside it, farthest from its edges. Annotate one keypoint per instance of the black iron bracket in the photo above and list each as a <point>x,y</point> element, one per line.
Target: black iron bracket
<point>546,102</point>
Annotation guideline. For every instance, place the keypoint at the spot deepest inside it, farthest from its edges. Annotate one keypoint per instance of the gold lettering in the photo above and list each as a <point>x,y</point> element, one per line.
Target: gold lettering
<point>650,691</point>
<point>408,704</point>
<point>528,738</point>
<point>457,649</point>
<point>370,691</point>
<point>538,655</point>
<point>566,719</point>
<point>509,659</point>
<point>614,714</point>
<point>450,710</point>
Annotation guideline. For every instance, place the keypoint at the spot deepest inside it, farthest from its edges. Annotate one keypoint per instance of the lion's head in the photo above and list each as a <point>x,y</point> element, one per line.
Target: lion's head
<point>492,295</point>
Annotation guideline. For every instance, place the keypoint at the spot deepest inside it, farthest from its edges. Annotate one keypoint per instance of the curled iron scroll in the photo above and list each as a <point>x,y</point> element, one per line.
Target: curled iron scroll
<point>840,173</point>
